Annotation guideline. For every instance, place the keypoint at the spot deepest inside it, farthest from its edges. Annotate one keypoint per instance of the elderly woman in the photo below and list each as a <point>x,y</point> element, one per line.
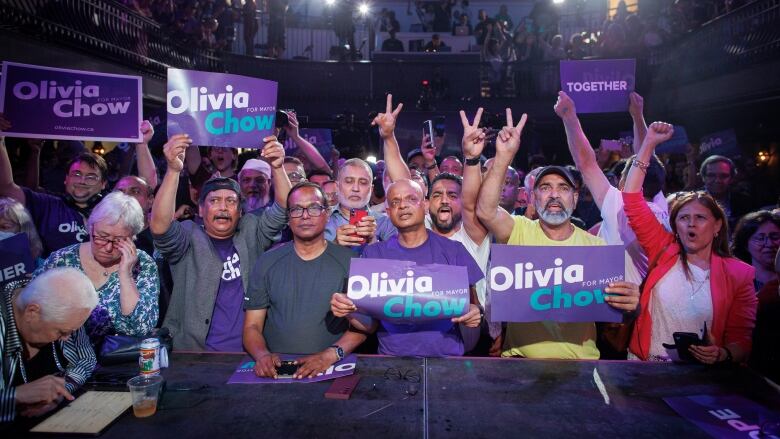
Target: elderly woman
<point>126,279</point>
<point>46,355</point>
<point>692,283</point>
<point>14,219</point>
<point>756,240</point>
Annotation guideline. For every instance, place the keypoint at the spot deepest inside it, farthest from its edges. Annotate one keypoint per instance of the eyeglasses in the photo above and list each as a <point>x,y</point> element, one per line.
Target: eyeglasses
<point>295,177</point>
<point>408,375</point>
<point>103,241</point>
<point>313,211</point>
<point>88,179</point>
<point>409,199</point>
<point>765,239</point>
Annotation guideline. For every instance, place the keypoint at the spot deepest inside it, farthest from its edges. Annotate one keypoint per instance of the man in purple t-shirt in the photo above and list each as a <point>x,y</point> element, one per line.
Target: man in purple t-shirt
<point>406,208</point>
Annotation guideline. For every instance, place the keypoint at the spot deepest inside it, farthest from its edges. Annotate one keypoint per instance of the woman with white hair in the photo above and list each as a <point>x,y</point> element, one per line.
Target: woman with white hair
<point>125,278</point>
<point>45,354</point>
<point>14,218</point>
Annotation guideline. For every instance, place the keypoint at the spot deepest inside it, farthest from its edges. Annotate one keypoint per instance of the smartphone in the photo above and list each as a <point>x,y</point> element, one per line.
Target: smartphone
<point>287,369</point>
<point>355,215</point>
<point>683,341</point>
<point>428,129</point>
<point>439,126</point>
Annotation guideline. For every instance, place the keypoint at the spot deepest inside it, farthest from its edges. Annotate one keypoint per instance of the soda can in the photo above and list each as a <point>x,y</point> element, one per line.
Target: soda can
<point>149,360</point>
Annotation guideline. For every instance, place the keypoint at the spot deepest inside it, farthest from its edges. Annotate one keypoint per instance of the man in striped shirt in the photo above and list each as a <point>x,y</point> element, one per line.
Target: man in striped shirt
<point>46,355</point>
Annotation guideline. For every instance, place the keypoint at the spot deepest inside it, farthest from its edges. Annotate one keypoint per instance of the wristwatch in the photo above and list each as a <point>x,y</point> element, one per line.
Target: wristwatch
<point>339,351</point>
<point>472,162</point>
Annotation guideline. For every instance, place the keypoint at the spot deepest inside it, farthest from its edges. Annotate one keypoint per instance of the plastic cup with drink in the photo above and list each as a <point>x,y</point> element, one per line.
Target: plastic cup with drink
<point>145,390</point>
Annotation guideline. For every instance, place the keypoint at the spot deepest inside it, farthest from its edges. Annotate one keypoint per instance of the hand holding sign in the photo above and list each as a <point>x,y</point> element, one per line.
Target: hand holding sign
<point>273,152</point>
<point>341,306</point>
<point>471,319</point>
<point>175,149</point>
<point>386,121</point>
<point>658,132</point>
<point>508,139</point>
<point>473,136</point>
<point>622,295</point>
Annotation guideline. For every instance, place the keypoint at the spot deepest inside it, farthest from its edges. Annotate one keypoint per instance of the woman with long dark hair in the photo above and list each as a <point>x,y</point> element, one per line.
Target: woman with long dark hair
<point>756,240</point>
<point>693,282</point>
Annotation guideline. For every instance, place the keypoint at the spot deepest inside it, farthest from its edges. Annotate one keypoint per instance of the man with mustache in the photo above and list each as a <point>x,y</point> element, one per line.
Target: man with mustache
<point>406,208</point>
<point>554,199</point>
<point>211,264</point>
<point>288,301</point>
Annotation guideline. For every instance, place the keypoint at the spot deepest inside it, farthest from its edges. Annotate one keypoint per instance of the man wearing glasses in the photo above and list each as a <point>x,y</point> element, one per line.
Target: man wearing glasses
<point>719,176</point>
<point>211,264</point>
<point>288,301</point>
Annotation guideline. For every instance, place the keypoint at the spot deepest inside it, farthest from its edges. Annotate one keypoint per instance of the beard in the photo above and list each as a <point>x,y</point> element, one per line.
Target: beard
<point>554,218</point>
<point>253,202</point>
<point>447,226</point>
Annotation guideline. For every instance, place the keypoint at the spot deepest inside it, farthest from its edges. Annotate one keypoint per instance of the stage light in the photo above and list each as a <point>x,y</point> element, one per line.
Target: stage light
<point>330,2</point>
<point>371,159</point>
<point>558,1</point>
<point>364,9</point>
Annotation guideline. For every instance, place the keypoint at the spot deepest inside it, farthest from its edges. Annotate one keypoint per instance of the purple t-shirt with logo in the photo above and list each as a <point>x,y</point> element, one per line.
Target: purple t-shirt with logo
<point>58,224</point>
<point>438,338</point>
<point>227,320</point>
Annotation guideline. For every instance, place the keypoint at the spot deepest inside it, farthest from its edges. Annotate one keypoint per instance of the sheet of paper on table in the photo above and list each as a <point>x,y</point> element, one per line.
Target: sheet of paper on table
<point>90,413</point>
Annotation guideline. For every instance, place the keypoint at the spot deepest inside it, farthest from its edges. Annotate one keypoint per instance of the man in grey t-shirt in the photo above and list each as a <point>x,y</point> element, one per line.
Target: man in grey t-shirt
<point>288,300</point>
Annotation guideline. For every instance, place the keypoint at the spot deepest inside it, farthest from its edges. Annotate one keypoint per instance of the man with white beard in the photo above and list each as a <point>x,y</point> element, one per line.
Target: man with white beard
<point>255,182</point>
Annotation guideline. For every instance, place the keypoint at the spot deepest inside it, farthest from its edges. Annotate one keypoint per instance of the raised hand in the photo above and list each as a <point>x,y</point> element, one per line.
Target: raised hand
<point>508,139</point>
<point>564,107</point>
<point>658,132</point>
<point>292,126</point>
<point>473,136</point>
<point>636,104</point>
<point>272,152</point>
<point>147,132</point>
<point>428,150</point>
<point>386,121</point>
<point>175,149</point>
<point>129,256</point>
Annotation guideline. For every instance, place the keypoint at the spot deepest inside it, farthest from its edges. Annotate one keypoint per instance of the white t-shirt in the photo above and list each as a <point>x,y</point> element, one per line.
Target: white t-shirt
<point>616,230</point>
<point>679,305</point>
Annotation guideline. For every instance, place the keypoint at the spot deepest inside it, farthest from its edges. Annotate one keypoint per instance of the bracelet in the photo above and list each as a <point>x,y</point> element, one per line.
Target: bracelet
<point>472,162</point>
<point>640,164</point>
<point>432,167</point>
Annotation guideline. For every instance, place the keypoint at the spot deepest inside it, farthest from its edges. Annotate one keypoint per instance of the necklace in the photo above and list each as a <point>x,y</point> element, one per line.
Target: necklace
<point>696,286</point>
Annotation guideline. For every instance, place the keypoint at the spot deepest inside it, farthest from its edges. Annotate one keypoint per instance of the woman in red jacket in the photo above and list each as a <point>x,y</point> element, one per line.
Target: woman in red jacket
<point>694,284</point>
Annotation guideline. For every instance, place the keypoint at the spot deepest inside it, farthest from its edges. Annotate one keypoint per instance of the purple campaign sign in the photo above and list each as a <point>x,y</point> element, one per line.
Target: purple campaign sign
<point>219,109</point>
<point>49,103</point>
<point>677,144</point>
<point>725,416</point>
<point>245,373</point>
<point>563,284</point>
<point>321,138</point>
<point>15,259</point>
<point>721,143</point>
<point>599,86</point>
<point>402,291</point>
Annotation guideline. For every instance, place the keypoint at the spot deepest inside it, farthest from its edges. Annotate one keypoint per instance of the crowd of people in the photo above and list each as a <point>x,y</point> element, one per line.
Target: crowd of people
<point>249,252</point>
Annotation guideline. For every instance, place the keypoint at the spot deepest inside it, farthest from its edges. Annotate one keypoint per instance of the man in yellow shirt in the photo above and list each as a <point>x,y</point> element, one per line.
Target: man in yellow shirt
<point>554,198</point>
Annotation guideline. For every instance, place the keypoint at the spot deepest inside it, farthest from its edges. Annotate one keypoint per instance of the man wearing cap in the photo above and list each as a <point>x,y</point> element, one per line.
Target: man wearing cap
<point>554,198</point>
<point>255,181</point>
<point>211,264</point>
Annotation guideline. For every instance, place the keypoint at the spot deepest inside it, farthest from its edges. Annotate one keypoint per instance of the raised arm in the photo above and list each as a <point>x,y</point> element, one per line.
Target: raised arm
<point>636,110</point>
<point>146,167</point>
<point>164,205</point>
<point>658,133</point>
<point>429,154</point>
<point>394,163</point>
<point>580,149</point>
<point>497,220</point>
<point>7,186</point>
<point>33,172</point>
<point>473,143</point>
<point>273,153</point>
<point>309,151</point>
<point>192,159</point>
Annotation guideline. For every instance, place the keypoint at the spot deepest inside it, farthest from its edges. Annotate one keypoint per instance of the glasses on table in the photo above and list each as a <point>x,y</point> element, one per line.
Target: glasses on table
<point>396,374</point>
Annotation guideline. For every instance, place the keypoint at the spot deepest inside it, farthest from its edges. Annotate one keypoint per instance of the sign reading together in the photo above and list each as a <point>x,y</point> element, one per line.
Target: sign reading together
<point>564,284</point>
<point>49,103</point>
<point>219,109</point>
<point>403,291</point>
<point>599,86</point>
